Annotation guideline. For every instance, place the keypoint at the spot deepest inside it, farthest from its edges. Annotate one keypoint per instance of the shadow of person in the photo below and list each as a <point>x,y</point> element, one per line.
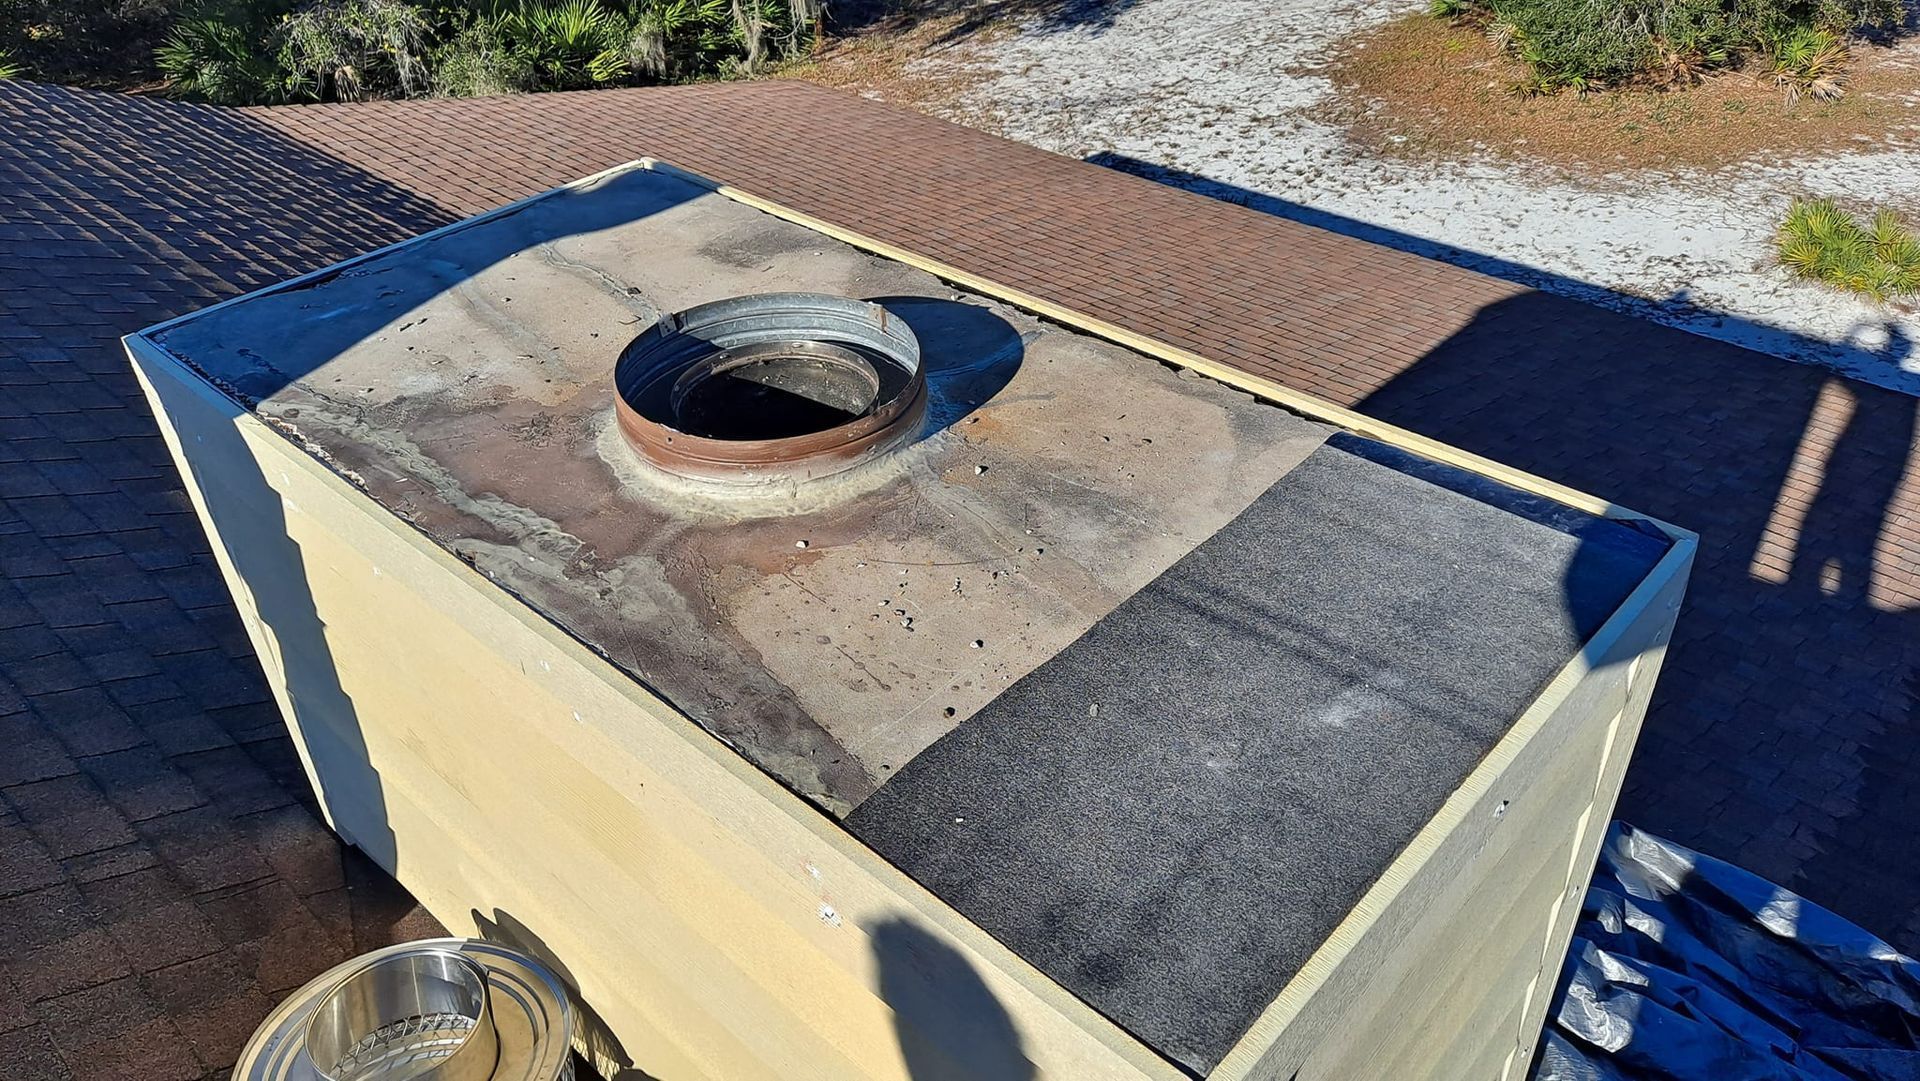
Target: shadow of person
<point>1846,565</point>
<point>950,1025</point>
<point>1783,734</point>
<point>1838,539</point>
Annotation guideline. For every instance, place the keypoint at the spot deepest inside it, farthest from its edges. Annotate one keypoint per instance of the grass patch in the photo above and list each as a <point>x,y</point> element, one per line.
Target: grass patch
<point>1877,258</point>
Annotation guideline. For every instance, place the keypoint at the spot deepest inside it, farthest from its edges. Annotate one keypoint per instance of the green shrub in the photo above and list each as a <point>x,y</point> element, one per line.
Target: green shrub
<point>569,45</point>
<point>772,27</point>
<point>346,50</point>
<point>1696,37</point>
<point>1581,44</point>
<point>332,50</point>
<point>1810,61</point>
<point>673,39</point>
<point>89,42</point>
<point>218,60</point>
<point>1879,259</point>
<point>476,61</point>
<point>9,67</point>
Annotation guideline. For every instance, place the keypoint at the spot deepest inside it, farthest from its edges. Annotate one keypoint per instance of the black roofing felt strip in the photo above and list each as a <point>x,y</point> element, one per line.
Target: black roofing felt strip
<point>1627,533</point>
<point>1170,815</point>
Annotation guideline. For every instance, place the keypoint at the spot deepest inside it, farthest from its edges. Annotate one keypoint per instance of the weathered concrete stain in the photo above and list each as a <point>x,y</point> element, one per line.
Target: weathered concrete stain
<point>465,383</point>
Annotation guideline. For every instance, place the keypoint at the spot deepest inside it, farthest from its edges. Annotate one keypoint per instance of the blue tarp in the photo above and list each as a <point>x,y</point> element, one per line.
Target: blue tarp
<point>1688,968</point>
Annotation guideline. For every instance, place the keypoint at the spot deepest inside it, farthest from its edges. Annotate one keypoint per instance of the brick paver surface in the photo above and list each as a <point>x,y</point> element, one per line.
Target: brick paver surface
<point>162,873</point>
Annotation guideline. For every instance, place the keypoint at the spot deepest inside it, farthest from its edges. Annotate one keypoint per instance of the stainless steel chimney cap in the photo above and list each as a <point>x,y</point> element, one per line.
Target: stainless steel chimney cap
<point>526,1004</point>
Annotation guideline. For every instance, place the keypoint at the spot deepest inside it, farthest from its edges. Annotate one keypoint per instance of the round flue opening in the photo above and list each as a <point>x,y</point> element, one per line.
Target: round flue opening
<point>777,386</point>
<point>774,390</point>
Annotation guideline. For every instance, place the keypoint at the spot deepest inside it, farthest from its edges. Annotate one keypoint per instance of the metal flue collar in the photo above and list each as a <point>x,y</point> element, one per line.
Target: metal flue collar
<point>446,1009</point>
<point>852,360</point>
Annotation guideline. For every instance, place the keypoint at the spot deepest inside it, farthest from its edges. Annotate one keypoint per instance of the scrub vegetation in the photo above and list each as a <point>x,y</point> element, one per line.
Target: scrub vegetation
<point>1878,258</point>
<point>1585,45</point>
<point>1426,89</point>
<point>250,52</point>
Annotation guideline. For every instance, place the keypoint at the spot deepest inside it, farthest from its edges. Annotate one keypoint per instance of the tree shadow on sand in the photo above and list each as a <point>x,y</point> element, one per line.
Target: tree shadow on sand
<point>974,16</point>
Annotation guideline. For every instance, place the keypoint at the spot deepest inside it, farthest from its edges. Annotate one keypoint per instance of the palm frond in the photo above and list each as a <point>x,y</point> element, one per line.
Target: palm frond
<point>1820,241</point>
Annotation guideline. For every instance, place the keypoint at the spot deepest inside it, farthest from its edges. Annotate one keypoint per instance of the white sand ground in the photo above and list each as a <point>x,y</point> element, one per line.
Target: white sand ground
<point>1229,90</point>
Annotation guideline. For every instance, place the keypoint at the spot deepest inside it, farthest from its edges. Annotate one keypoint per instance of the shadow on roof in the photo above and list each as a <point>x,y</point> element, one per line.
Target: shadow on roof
<point>1783,729</point>
<point>200,199</point>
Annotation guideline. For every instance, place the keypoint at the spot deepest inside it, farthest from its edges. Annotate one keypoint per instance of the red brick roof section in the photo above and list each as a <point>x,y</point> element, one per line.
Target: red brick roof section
<point>162,873</point>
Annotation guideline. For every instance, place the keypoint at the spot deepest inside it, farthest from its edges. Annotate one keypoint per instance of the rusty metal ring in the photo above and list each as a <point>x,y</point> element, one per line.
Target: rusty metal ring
<point>828,356</point>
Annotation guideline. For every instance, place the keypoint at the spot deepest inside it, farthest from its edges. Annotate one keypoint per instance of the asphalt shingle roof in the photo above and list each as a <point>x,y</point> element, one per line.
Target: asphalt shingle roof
<point>163,873</point>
